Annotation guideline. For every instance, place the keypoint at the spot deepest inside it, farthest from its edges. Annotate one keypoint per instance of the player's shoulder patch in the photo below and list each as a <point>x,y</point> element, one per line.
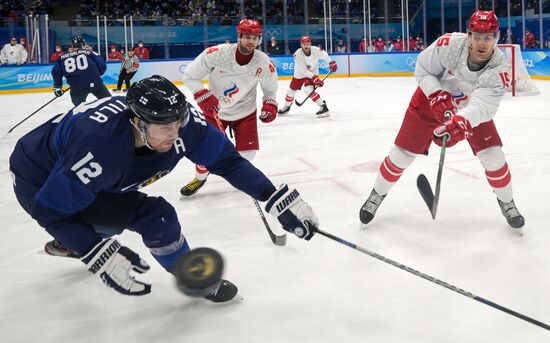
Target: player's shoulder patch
<point>216,52</point>
<point>450,48</point>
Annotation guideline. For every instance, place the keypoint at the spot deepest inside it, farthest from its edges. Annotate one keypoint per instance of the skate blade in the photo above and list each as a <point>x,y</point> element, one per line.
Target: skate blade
<point>519,231</point>
<point>324,115</point>
<point>363,226</point>
<point>236,300</point>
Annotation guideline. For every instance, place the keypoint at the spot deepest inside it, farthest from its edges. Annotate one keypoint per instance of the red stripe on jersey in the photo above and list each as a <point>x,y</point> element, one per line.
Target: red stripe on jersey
<point>390,171</point>
<point>499,178</point>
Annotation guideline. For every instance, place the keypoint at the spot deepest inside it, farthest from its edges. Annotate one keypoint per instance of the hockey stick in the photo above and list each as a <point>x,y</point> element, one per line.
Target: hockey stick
<point>314,88</point>
<point>424,187</point>
<point>434,280</point>
<point>423,184</point>
<point>277,240</point>
<point>30,115</point>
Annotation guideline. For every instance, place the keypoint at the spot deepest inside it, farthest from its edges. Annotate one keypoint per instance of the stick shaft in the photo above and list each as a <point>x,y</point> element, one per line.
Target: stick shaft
<point>434,280</point>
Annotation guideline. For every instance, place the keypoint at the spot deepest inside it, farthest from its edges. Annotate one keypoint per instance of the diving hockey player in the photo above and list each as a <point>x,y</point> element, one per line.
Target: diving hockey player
<point>79,175</point>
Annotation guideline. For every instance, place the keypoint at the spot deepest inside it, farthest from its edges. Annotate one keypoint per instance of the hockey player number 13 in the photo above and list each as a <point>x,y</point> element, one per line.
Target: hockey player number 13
<point>86,168</point>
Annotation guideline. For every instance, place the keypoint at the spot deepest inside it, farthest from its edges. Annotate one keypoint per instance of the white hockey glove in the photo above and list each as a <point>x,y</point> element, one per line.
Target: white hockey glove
<point>294,214</point>
<point>113,262</point>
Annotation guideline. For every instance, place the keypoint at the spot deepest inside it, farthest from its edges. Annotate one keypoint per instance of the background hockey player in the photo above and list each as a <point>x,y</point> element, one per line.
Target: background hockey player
<point>306,73</point>
<point>466,75</point>
<point>83,69</point>
<point>79,174</point>
<point>234,71</point>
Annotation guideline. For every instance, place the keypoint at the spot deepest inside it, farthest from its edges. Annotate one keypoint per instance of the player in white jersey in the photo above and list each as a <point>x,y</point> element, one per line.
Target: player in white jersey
<point>465,74</point>
<point>234,71</point>
<point>306,72</point>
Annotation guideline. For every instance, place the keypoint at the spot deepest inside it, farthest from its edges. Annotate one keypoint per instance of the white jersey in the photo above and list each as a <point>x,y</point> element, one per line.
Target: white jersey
<point>308,66</point>
<point>13,54</point>
<point>443,65</point>
<point>234,85</point>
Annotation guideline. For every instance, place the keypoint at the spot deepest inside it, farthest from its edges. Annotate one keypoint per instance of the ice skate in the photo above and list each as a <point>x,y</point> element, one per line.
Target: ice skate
<point>284,110</point>
<point>369,208</point>
<point>192,187</point>
<point>224,292</point>
<point>55,248</point>
<point>323,111</point>
<point>512,215</point>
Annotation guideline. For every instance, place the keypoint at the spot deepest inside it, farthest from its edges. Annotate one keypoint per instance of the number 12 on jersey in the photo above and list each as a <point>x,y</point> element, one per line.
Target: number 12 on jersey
<point>86,168</point>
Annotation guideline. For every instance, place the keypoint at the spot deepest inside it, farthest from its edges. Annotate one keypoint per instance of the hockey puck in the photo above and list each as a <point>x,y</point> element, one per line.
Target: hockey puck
<point>199,271</point>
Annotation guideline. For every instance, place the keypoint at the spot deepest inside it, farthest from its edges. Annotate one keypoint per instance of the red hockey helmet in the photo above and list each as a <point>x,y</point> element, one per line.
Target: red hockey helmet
<point>305,39</point>
<point>483,22</point>
<point>249,27</point>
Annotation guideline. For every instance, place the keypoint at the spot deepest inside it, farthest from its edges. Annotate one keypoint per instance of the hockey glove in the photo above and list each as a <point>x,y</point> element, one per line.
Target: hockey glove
<point>269,111</point>
<point>456,129</point>
<point>442,105</point>
<point>208,103</point>
<point>333,66</point>
<point>113,263</point>
<point>57,91</point>
<point>294,214</point>
<point>317,82</point>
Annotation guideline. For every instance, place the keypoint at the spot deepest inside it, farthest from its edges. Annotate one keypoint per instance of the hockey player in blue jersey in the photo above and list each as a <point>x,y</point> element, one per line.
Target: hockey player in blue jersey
<point>83,69</point>
<point>79,174</point>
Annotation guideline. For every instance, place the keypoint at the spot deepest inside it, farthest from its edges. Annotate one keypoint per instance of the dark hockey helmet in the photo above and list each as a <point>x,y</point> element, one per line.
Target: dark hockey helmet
<point>78,41</point>
<point>157,100</point>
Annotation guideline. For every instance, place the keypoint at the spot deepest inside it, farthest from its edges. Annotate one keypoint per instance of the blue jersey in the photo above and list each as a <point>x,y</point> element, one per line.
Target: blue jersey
<point>63,164</point>
<point>82,68</point>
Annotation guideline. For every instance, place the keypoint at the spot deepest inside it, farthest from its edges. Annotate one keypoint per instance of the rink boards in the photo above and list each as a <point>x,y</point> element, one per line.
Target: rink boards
<point>37,78</point>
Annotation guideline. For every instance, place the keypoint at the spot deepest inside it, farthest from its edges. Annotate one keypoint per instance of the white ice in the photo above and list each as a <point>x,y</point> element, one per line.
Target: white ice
<point>317,291</point>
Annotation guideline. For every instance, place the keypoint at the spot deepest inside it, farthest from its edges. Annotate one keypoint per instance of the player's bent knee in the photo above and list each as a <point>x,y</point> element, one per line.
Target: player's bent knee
<point>492,158</point>
<point>157,222</point>
<point>248,154</point>
<point>401,157</point>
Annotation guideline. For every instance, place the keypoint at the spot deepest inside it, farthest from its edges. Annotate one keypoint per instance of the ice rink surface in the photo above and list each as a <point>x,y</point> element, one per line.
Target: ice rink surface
<point>317,291</point>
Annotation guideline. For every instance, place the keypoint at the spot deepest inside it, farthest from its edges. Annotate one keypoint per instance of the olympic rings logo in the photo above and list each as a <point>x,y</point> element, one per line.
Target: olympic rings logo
<point>273,32</point>
<point>411,62</point>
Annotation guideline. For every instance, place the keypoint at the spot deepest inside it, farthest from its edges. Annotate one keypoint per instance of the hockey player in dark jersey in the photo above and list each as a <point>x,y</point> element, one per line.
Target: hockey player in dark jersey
<point>83,69</point>
<point>79,174</point>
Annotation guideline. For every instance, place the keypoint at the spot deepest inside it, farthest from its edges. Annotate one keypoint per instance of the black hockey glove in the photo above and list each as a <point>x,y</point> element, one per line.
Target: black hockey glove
<point>113,263</point>
<point>57,91</point>
<point>294,214</point>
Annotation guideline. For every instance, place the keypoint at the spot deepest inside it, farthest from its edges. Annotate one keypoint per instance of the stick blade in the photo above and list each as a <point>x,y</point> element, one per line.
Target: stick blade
<point>280,240</point>
<point>426,192</point>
